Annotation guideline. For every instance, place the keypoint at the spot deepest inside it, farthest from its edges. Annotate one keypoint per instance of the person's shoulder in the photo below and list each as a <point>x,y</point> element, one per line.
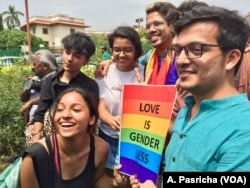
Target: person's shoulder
<point>101,149</point>
<point>90,84</point>
<point>36,148</point>
<point>83,76</point>
<point>113,66</point>
<point>51,76</point>
<point>100,145</point>
<point>140,66</point>
<point>144,58</point>
<point>100,82</point>
<point>149,52</point>
<point>99,140</point>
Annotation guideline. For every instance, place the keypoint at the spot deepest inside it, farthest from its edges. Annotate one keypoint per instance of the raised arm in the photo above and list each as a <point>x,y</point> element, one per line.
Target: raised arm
<point>102,68</point>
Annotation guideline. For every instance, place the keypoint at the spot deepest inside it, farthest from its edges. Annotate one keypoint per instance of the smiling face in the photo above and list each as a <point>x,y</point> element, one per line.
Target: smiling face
<point>208,73</point>
<point>157,31</point>
<point>124,54</point>
<point>72,115</point>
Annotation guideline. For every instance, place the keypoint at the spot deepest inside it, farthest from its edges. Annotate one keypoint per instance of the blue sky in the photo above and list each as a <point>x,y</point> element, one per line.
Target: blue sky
<point>104,15</point>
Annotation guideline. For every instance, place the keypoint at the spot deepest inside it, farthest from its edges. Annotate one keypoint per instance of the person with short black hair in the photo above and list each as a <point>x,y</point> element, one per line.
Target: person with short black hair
<point>78,48</point>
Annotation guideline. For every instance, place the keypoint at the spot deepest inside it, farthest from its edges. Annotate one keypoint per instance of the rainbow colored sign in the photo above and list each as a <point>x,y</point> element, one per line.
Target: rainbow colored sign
<point>146,112</point>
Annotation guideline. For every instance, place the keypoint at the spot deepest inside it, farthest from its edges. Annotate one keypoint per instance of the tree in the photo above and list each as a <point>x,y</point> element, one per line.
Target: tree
<point>146,46</point>
<point>12,21</point>
<point>1,22</point>
<point>15,39</point>
<point>100,41</point>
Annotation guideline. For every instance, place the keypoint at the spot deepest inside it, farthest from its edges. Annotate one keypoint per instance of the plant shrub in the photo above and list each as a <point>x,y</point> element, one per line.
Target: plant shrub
<point>11,123</point>
<point>12,138</point>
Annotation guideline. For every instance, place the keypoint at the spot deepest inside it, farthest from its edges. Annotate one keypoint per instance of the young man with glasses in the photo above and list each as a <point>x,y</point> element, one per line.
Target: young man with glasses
<point>215,121</point>
<point>211,133</point>
<point>160,37</point>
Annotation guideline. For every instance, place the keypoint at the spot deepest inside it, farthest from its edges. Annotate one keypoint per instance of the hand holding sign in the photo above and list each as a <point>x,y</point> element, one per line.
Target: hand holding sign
<point>146,113</point>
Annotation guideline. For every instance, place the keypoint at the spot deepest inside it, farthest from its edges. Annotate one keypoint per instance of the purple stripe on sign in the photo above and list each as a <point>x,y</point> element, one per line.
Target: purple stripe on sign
<point>130,167</point>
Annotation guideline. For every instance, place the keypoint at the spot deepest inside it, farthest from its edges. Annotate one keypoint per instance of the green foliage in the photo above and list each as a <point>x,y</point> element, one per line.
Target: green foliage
<point>11,18</point>
<point>12,138</point>
<point>1,22</point>
<point>99,41</point>
<point>146,46</point>
<point>89,70</point>
<point>15,39</point>
<point>11,123</point>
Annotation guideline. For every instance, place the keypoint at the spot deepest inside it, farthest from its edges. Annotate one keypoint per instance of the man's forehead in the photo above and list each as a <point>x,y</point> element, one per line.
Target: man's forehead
<point>198,31</point>
<point>154,15</point>
<point>74,51</point>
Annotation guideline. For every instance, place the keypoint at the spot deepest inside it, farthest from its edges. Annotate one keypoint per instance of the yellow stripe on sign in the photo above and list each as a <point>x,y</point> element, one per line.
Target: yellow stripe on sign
<point>152,125</point>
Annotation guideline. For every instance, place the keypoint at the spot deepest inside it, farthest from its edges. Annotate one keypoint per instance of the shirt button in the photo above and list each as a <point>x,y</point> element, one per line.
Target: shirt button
<point>181,136</point>
<point>173,159</point>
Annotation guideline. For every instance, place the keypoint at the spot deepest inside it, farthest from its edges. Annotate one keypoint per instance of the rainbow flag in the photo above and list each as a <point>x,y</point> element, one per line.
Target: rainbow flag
<point>146,112</point>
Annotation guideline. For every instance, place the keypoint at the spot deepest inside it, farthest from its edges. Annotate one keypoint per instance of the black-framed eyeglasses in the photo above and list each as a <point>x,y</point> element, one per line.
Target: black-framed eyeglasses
<point>192,51</point>
<point>126,50</point>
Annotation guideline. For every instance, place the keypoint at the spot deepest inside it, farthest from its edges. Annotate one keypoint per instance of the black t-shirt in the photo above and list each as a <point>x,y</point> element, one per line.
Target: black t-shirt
<point>52,88</point>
